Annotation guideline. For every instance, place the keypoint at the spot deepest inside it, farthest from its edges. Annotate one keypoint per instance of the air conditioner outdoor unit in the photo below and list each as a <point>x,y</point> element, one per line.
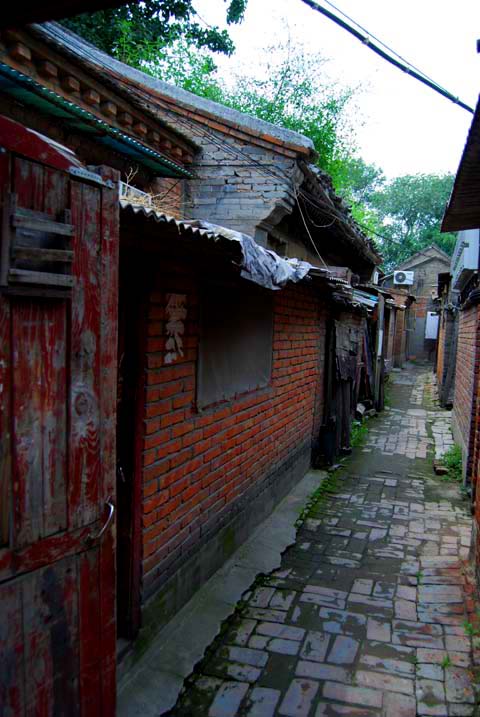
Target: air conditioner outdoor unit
<point>403,278</point>
<point>465,257</point>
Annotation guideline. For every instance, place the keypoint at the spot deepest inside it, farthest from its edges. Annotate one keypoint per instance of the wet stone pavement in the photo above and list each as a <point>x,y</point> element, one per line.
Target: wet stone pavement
<point>369,613</point>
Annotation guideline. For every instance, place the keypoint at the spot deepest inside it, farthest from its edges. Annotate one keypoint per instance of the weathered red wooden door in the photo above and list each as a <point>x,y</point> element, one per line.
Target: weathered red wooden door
<point>57,437</point>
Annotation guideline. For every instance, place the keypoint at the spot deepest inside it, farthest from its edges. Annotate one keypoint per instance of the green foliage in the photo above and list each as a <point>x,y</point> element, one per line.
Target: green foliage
<point>135,32</point>
<point>358,433</point>
<point>410,209</point>
<point>288,89</point>
<point>452,460</point>
<point>387,392</point>
<point>184,66</point>
<point>291,90</point>
<point>470,629</point>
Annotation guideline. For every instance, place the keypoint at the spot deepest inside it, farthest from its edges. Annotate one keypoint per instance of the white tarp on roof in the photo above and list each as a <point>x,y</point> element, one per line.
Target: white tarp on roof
<point>260,265</point>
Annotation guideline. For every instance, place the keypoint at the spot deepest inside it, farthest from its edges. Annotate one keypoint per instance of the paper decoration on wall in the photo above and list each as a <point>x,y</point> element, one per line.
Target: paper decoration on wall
<point>176,313</point>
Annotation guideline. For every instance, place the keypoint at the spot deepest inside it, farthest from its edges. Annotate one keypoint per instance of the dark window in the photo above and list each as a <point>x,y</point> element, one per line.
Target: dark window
<point>235,341</point>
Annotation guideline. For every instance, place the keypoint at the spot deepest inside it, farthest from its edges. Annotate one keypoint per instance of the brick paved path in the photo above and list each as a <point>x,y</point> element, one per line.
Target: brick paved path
<point>368,612</point>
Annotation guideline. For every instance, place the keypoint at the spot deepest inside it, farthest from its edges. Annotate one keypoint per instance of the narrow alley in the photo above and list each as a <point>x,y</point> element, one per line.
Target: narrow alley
<point>370,610</point>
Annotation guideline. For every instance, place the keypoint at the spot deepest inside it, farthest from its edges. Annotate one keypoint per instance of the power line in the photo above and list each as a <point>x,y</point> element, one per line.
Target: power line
<point>366,40</point>
<point>278,175</point>
<point>369,34</point>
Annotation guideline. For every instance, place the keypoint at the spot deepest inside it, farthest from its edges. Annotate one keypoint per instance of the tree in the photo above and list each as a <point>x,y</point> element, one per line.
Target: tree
<point>135,32</point>
<point>410,209</point>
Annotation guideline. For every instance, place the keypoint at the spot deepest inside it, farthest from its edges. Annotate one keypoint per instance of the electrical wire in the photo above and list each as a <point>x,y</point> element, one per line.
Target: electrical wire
<point>366,40</point>
<point>318,206</point>
<point>387,47</point>
<point>221,144</point>
<point>237,152</point>
<point>314,224</point>
<point>308,231</point>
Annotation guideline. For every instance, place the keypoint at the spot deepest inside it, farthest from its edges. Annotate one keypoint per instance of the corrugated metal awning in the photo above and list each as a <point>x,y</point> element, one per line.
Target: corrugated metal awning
<point>258,264</point>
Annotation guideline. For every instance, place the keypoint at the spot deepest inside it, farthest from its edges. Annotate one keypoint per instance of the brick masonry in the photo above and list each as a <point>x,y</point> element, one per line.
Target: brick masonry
<point>399,341</point>
<point>197,465</point>
<point>466,384</point>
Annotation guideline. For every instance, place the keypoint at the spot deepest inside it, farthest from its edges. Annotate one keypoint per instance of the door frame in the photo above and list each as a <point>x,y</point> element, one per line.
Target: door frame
<point>135,291</point>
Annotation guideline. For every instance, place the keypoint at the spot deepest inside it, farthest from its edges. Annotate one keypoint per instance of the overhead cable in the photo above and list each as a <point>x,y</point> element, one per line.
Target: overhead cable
<point>367,40</point>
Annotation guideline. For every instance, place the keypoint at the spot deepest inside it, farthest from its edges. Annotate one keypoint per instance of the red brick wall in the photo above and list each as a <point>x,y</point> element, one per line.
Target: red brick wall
<point>197,464</point>
<point>389,339</point>
<point>466,383</point>
<point>399,340</point>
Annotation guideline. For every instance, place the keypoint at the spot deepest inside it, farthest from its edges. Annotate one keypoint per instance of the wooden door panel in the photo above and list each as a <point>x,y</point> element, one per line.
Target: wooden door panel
<point>28,184</point>
<point>56,192</point>
<point>5,425</point>
<point>91,630</point>
<point>85,357</point>
<point>57,459</point>
<point>50,628</point>
<point>39,358</point>
<point>12,686</point>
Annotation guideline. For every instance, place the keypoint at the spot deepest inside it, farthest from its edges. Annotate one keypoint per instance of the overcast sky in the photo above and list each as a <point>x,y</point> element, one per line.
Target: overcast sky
<point>402,125</point>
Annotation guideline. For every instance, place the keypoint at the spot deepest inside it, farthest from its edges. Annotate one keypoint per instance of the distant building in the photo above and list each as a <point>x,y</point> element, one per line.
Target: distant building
<point>422,324</point>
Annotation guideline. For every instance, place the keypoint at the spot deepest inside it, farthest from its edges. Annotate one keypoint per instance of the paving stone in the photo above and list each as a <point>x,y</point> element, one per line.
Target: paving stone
<point>363,586</point>
<point>262,702</point>
<point>322,599</point>
<point>417,634</point>
<point>284,647</point>
<point>396,705</point>
<point>405,592</point>
<point>245,655</point>
<point>388,545</point>
<point>461,710</point>
<point>430,671</point>
<point>382,681</point>
<point>282,599</point>
<point>343,650</point>
<point>405,610</point>
<point>390,665</point>
<point>287,632</point>
<point>458,685</point>
<point>320,590</point>
<point>328,709</point>
<point>384,590</point>
<point>459,659</point>
<point>241,673</point>
<point>338,621</point>
<point>352,695</point>
<point>430,697</point>
<point>440,594</point>
<point>457,643</point>
<point>378,630</point>
<point>299,698</point>
<point>258,642</point>
<point>370,602</point>
<point>261,597</point>
<point>315,646</point>
<point>263,614</point>
<point>227,700</point>
<point>322,671</point>
<point>240,634</point>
